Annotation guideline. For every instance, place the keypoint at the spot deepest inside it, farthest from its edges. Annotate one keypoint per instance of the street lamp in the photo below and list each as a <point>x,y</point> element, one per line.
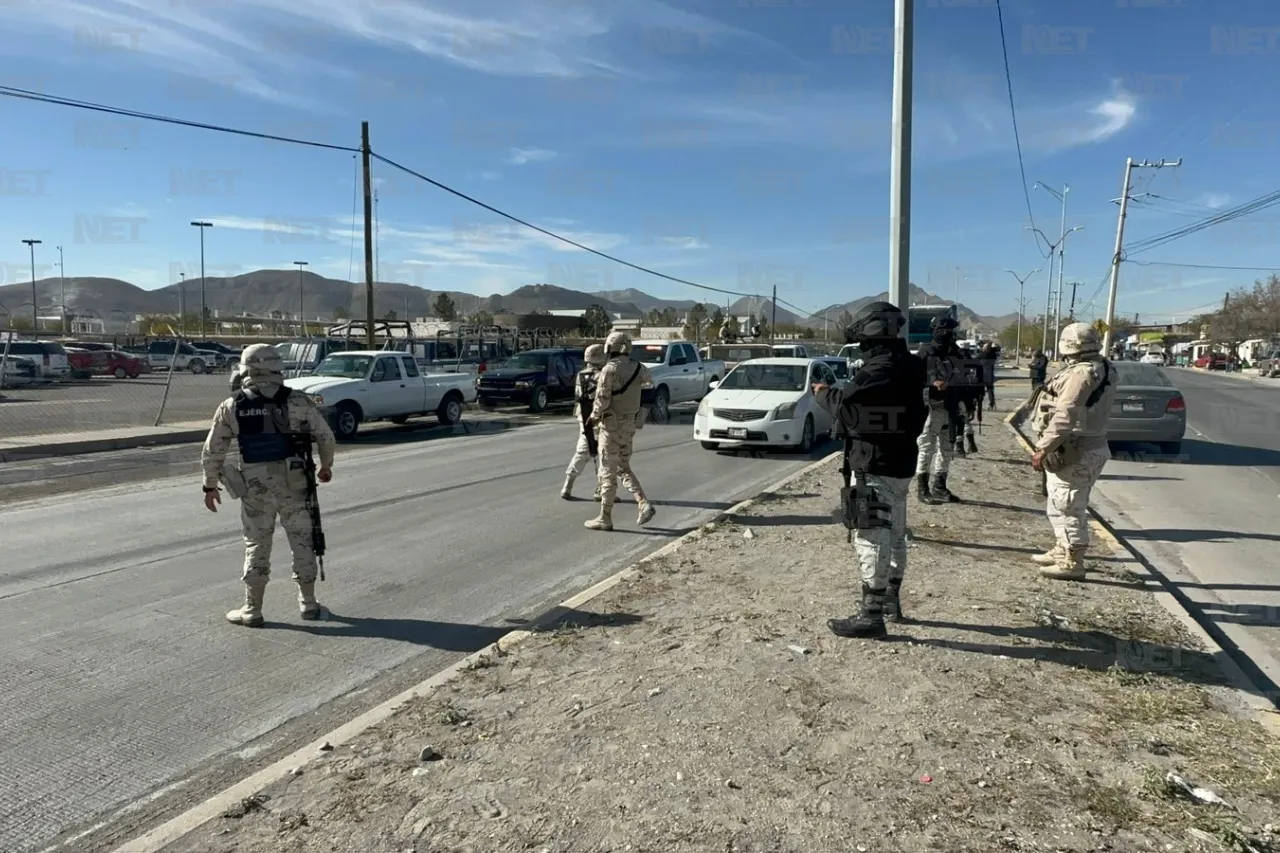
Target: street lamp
<point>203,311</point>
<point>1022,280</point>
<point>1048,307</point>
<point>62,277</point>
<point>302,323</point>
<point>182,304</point>
<point>35,312</point>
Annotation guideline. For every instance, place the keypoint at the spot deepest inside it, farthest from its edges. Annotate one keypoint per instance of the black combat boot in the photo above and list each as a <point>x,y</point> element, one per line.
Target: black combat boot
<point>922,489</point>
<point>893,602</point>
<point>973,445</point>
<point>942,494</point>
<point>958,447</point>
<point>869,623</point>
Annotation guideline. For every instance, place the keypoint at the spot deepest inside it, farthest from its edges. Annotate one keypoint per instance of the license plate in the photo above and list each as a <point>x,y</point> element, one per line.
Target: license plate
<point>1131,407</point>
<point>737,432</point>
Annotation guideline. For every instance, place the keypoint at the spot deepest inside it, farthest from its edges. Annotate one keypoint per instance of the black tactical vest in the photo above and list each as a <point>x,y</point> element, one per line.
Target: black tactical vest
<point>263,422</point>
<point>588,379</point>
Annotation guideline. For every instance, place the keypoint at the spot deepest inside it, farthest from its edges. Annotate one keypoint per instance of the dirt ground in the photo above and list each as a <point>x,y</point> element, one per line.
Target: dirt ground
<point>703,707</point>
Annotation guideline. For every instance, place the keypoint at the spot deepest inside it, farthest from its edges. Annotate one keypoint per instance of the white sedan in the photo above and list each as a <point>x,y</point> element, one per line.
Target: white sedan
<point>1152,358</point>
<point>765,402</point>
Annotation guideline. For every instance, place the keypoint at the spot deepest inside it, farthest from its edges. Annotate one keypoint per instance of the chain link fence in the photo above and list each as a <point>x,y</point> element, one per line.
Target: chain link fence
<point>54,393</point>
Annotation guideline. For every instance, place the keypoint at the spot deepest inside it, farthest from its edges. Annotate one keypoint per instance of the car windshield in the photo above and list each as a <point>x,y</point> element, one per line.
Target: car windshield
<point>528,361</point>
<point>350,366</point>
<point>839,367</point>
<point>766,377</point>
<point>649,354</point>
<point>1136,374</point>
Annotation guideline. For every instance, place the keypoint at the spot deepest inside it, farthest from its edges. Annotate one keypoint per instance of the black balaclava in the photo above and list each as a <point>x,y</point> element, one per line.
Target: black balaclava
<point>876,329</point>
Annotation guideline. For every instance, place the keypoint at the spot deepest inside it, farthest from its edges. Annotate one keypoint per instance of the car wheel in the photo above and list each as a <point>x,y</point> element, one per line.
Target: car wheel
<point>196,366</point>
<point>450,411</point>
<point>347,421</point>
<point>1170,448</point>
<point>120,373</point>
<point>806,436</point>
<point>538,399</point>
<point>710,445</point>
<point>661,403</point>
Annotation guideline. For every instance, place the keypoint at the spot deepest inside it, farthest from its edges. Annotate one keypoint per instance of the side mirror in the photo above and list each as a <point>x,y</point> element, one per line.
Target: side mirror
<point>713,384</point>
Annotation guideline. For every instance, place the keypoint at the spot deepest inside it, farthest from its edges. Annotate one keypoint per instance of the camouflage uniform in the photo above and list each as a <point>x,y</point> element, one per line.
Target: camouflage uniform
<point>619,415</point>
<point>585,389</point>
<point>1074,435</point>
<point>271,489</point>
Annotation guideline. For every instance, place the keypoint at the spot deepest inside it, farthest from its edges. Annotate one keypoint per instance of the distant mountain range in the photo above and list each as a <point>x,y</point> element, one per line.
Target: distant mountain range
<point>262,292</point>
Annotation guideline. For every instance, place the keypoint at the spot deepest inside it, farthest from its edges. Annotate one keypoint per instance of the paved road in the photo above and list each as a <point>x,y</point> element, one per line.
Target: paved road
<point>122,677</point>
<point>1209,519</point>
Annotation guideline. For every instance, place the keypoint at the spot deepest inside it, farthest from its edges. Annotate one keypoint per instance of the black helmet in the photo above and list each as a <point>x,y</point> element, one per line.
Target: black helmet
<point>944,323</point>
<point>878,320</point>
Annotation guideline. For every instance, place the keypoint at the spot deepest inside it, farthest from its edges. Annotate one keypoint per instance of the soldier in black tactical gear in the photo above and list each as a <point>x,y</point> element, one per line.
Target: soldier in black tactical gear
<point>944,392</point>
<point>972,401</point>
<point>879,414</point>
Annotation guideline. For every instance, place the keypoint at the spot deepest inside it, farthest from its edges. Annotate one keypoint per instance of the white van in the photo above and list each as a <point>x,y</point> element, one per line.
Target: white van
<point>49,355</point>
<point>789,351</point>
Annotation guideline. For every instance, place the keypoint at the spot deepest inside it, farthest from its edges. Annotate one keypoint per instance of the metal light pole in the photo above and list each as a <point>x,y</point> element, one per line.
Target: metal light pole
<point>182,304</point>
<point>203,310</point>
<point>900,160</point>
<point>1048,310</point>
<point>1022,280</point>
<point>302,323</point>
<point>35,311</point>
<point>62,277</point>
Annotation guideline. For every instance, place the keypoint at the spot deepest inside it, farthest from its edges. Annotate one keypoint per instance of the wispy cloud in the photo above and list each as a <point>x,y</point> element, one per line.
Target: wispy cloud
<point>685,242</point>
<point>521,156</point>
<point>1214,200</point>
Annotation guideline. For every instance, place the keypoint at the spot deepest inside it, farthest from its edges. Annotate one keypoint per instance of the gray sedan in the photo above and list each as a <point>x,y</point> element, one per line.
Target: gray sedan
<point>1148,407</point>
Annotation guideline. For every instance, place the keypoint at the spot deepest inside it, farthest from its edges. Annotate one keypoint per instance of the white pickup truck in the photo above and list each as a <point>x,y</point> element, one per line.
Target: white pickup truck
<point>680,375</point>
<point>359,386</point>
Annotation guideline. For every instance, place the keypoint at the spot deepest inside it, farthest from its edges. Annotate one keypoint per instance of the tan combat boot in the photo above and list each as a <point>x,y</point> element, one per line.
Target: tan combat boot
<point>250,615</point>
<point>1050,557</point>
<point>647,512</point>
<point>1069,568</point>
<point>566,491</point>
<point>307,603</point>
<point>604,521</point>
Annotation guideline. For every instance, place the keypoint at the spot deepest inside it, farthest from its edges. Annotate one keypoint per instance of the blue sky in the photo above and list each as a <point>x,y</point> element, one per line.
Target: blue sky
<point>737,143</point>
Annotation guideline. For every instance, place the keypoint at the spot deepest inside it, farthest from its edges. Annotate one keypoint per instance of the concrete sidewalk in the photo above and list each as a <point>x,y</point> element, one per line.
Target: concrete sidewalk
<point>24,448</point>
<point>700,703</point>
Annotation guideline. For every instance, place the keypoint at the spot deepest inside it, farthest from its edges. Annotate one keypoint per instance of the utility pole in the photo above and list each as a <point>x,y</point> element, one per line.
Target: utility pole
<point>1022,304</point>
<point>365,157</point>
<point>203,310</point>
<point>182,305</point>
<point>773,324</point>
<point>1062,232</point>
<point>1072,311</point>
<point>1050,345</point>
<point>35,310</point>
<point>900,160</point>
<point>62,279</point>
<point>1129,166</point>
<point>302,323</point>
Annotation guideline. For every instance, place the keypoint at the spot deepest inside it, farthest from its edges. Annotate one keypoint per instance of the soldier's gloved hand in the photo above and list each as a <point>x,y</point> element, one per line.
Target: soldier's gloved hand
<point>324,475</point>
<point>212,497</point>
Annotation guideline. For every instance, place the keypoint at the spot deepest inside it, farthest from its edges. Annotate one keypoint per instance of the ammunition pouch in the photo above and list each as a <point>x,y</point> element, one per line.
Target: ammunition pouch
<point>860,505</point>
<point>295,476</point>
<point>234,481</point>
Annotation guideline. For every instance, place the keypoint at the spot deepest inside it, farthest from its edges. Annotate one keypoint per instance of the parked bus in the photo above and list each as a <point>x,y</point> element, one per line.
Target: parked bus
<point>920,322</point>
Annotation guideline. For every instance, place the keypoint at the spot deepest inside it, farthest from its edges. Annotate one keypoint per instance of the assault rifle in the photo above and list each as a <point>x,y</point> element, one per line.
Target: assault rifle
<point>860,507</point>
<point>1024,413</point>
<point>585,405</point>
<point>313,500</point>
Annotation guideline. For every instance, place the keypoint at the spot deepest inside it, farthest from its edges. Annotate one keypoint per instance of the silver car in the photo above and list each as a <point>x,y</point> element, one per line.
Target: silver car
<point>1148,407</point>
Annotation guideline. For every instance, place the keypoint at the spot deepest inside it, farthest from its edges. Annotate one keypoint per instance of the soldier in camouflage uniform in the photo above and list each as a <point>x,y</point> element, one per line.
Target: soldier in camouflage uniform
<point>1071,419</point>
<point>619,413</point>
<point>268,421</point>
<point>584,393</point>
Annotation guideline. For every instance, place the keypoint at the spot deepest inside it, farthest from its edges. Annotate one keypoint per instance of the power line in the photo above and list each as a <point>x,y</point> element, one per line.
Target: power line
<point>1204,266</point>
<point>554,235</point>
<point>1017,138</point>
<point>1261,203</point>
<point>10,92</point>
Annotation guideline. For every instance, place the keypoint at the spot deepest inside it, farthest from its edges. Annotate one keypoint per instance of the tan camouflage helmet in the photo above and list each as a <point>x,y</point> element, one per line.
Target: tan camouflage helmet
<point>1079,339</point>
<point>617,342</point>
<point>261,358</point>
<point>595,355</point>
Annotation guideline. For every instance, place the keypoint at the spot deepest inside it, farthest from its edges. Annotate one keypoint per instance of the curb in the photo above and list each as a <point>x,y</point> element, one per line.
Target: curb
<point>1248,691</point>
<point>160,837</point>
<point>26,453</point>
